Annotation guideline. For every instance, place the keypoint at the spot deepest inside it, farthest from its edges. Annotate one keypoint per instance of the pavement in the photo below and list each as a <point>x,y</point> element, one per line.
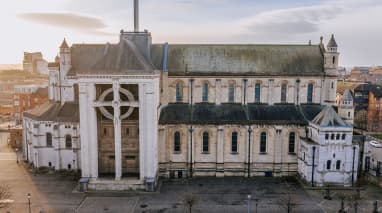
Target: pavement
<point>55,192</point>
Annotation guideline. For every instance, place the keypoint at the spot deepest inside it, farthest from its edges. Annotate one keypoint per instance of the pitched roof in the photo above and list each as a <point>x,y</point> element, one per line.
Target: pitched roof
<point>123,58</point>
<point>64,44</point>
<point>270,60</point>
<point>227,113</point>
<point>347,96</point>
<point>42,91</point>
<point>53,111</point>
<point>332,42</point>
<point>328,117</point>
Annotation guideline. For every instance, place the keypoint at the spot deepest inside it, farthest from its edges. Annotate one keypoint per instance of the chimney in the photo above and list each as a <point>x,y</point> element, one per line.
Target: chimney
<point>136,15</point>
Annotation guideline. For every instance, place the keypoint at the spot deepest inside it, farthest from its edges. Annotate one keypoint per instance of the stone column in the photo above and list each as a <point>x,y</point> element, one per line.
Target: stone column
<point>84,105</point>
<point>297,92</point>
<point>270,91</point>
<point>92,131</point>
<point>278,150</point>
<point>218,89</point>
<point>117,132</point>
<point>220,152</point>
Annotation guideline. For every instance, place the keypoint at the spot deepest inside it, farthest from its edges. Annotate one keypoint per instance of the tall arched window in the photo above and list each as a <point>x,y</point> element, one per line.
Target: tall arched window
<point>205,92</point>
<point>178,92</point>
<point>328,164</point>
<point>263,142</point>
<point>334,59</point>
<point>234,142</point>
<point>68,141</point>
<point>257,93</point>
<point>292,140</point>
<point>338,165</point>
<point>283,92</point>
<point>310,93</point>
<point>49,139</point>
<point>205,141</point>
<point>231,93</point>
<point>177,142</point>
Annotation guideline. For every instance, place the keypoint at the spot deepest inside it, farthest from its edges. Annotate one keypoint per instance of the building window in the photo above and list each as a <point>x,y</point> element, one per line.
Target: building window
<point>348,114</point>
<point>343,136</point>
<point>338,136</point>
<point>231,93</point>
<point>234,142</point>
<point>257,93</point>
<point>326,136</point>
<point>48,139</point>
<point>178,92</point>
<point>68,141</point>
<point>334,59</point>
<point>332,137</point>
<point>104,132</point>
<point>177,142</point>
<point>205,142</point>
<point>263,142</point>
<point>205,92</point>
<point>328,164</point>
<point>310,93</point>
<point>332,85</point>
<point>292,140</point>
<point>338,165</point>
<point>127,131</point>
<point>283,92</point>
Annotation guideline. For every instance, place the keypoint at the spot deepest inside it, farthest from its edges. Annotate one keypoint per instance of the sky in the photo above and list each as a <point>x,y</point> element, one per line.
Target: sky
<point>41,25</point>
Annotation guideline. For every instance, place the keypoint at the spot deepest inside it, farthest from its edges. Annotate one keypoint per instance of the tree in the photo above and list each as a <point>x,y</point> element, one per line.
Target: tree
<point>189,200</point>
<point>5,195</point>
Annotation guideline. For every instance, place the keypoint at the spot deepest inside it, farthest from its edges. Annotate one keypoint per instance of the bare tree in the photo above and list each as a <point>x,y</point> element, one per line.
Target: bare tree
<point>5,194</point>
<point>189,200</point>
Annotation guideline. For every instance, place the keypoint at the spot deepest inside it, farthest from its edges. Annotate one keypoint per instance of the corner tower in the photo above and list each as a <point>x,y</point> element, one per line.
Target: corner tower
<point>346,107</point>
<point>331,56</point>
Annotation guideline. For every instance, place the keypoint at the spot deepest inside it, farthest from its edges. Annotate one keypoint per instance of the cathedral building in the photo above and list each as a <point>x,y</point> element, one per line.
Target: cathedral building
<point>128,113</point>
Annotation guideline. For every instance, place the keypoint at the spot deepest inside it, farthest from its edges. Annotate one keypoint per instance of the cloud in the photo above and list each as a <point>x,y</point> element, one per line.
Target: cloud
<point>71,21</point>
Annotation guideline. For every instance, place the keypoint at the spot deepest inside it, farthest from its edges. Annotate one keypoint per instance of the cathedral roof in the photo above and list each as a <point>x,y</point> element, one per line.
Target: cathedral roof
<point>232,113</point>
<point>123,58</point>
<point>54,111</point>
<point>228,60</point>
<point>328,117</point>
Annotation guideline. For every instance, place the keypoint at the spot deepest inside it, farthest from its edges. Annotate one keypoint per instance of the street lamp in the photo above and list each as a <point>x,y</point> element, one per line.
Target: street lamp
<point>29,201</point>
<point>249,203</point>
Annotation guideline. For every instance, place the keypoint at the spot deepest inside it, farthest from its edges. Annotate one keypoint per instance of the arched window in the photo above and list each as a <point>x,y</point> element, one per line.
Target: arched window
<point>332,85</point>
<point>338,136</point>
<point>205,92</point>
<point>177,142</point>
<point>332,137</point>
<point>292,140</point>
<point>283,92</point>
<point>334,59</point>
<point>205,141</point>
<point>231,93</point>
<point>49,139</point>
<point>348,114</point>
<point>310,93</point>
<point>343,136</point>
<point>179,92</point>
<point>338,165</point>
<point>263,142</point>
<point>257,93</point>
<point>328,164</point>
<point>234,142</point>
<point>68,141</point>
<point>326,136</point>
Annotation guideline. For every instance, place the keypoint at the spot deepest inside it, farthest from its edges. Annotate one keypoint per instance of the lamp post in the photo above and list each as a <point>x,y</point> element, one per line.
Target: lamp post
<point>249,151</point>
<point>29,201</point>
<point>17,156</point>
<point>352,169</point>
<point>249,203</point>
<point>314,152</point>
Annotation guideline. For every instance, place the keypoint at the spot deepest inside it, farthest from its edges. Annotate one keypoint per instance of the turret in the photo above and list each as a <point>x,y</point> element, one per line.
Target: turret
<point>331,70</point>
<point>346,107</point>
<point>331,57</point>
<point>65,58</point>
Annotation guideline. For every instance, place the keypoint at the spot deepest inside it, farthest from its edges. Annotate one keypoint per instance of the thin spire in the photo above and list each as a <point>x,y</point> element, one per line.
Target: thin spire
<point>136,15</point>
<point>64,44</point>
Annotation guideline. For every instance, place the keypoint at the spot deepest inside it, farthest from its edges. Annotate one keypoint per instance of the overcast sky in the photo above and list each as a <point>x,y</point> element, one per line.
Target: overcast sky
<point>41,25</point>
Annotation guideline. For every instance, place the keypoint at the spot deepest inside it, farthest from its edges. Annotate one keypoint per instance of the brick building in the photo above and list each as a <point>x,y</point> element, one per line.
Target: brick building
<point>16,137</point>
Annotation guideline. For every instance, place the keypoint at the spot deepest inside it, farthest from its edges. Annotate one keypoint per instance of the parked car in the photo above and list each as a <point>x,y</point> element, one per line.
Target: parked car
<point>375,144</point>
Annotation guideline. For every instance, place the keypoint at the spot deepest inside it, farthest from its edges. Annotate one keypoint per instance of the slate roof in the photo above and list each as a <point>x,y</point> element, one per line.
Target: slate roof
<point>347,96</point>
<point>238,114</point>
<point>42,91</point>
<point>332,42</point>
<point>328,117</point>
<point>53,111</point>
<point>258,60</point>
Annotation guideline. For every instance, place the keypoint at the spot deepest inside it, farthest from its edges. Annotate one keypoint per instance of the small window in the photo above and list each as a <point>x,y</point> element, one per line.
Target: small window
<point>68,141</point>
<point>50,164</point>
<point>49,139</point>
<point>263,142</point>
<point>205,141</point>
<point>104,132</point>
<point>334,59</point>
<point>332,137</point>
<point>177,142</point>
<point>328,164</point>
<point>326,136</point>
<point>234,142</point>
<point>343,136</point>
<point>205,92</point>
<point>292,140</point>
<point>338,136</point>
<point>283,92</point>
<point>69,167</point>
<point>338,165</point>
<point>348,114</point>
<point>257,93</point>
<point>231,93</point>
<point>332,85</point>
<point>310,93</point>
<point>178,92</point>
<point>127,131</point>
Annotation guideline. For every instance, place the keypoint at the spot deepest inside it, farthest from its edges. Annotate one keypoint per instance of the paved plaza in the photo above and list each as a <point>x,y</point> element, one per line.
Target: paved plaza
<point>56,193</point>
